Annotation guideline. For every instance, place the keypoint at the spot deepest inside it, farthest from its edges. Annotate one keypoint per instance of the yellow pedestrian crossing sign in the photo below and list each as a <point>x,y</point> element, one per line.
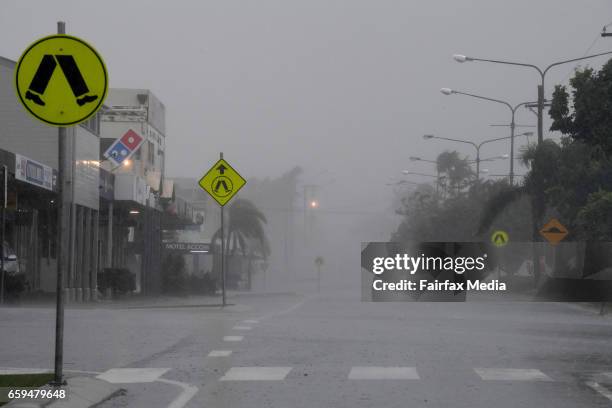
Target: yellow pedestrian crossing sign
<point>61,80</point>
<point>222,182</point>
<point>500,238</point>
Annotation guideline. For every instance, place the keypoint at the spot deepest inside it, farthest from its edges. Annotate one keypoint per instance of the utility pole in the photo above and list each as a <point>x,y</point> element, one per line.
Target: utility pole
<point>61,234</point>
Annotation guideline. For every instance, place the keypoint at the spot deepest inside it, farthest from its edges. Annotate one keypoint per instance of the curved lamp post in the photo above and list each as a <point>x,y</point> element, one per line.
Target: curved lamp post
<point>513,109</point>
<point>475,145</point>
<point>463,58</point>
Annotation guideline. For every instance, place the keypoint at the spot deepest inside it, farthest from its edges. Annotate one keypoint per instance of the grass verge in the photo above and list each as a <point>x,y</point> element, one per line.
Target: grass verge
<point>24,380</point>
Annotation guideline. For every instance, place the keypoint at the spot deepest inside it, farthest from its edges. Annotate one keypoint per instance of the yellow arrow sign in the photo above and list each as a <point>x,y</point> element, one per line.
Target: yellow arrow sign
<point>222,182</point>
<point>61,80</point>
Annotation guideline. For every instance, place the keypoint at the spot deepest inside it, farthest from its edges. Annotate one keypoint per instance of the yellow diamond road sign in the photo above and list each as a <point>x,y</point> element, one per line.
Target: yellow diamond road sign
<point>61,80</point>
<point>500,238</point>
<point>222,182</point>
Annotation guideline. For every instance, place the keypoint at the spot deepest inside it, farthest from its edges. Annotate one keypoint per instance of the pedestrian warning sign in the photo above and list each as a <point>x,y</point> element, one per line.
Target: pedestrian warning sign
<point>554,231</point>
<point>222,182</point>
<point>61,80</point>
<point>499,238</point>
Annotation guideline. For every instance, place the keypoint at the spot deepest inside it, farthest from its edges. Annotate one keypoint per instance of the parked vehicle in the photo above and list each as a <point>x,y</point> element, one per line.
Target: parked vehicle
<point>11,262</point>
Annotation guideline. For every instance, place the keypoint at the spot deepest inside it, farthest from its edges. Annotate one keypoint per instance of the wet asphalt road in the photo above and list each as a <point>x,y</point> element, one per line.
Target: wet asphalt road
<point>331,350</point>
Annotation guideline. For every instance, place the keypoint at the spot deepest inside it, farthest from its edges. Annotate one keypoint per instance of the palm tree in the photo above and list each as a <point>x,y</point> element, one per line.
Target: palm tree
<point>543,161</point>
<point>457,170</point>
<point>245,232</point>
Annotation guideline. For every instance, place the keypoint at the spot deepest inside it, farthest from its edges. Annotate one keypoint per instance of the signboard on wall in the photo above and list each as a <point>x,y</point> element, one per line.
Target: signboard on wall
<point>187,247</point>
<point>34,172</point>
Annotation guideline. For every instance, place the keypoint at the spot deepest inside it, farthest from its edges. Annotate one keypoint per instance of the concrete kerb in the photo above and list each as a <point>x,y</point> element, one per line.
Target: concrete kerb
<point>81,392</point>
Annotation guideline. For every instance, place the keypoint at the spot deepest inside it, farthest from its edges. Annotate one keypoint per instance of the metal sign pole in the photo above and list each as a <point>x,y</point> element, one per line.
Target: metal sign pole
<point>222,182</point>
<point>222,252</point>
<point>59,306</point>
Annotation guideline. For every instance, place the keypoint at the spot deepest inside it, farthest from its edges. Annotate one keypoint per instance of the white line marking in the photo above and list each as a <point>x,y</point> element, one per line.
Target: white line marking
<point>220,353</point>
<point>256,374</point>
<point>288,310</point>
<point>233,338</point>
<point>184,397</point>
<point>251,321</point>
<point>602,390</point>
<point>132,375</point>
<point>242,328</point>
<point>383,373</point>
<point>511,374</point>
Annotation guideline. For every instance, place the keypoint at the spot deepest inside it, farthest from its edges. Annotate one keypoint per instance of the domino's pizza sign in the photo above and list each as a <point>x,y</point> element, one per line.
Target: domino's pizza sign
<point>124,147</point>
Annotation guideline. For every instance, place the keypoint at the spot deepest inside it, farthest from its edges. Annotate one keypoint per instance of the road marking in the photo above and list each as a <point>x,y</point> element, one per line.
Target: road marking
<point>383,373</point>
<point>233,338</point>
<point>256,374</point>
<point>602,390</point>
<point>288,310</point>
<point>511,374</point>
<point>188,392</point>
<point>242,328</point>
<point>132,375</point>
<point>179,402</point>
<point>251,321</point>
<point>220,353</point>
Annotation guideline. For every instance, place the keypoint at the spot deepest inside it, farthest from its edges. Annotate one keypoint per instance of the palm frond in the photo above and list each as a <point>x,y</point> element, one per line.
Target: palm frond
<point>497,204</point>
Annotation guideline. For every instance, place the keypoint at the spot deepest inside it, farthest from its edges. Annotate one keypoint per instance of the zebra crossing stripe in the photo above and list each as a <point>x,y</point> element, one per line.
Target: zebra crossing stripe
<point>132,375</point>
<point>233,338</point>
<point>511,374</point>
<point>256,374</point>
<point>383,373</point>
<point>220,353</point>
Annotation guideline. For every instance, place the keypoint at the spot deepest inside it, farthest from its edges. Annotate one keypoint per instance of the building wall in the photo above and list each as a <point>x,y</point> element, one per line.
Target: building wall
<point>86,168</point>
<point>156,114</point>
<point>24,135</point>
<point>141,111</point>
<point>20,132</point>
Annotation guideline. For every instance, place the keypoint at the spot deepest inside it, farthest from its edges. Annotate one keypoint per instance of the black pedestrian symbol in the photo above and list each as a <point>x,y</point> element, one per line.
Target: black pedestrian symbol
<point>72,73</point>
<point>222,186</point>
<point>500,239</point>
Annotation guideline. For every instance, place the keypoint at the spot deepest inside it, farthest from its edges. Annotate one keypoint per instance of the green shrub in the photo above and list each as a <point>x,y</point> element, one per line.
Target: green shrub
<point>14,285</point>
<point>119,280</point>
<point>202,285</point>
<point>174,278</point>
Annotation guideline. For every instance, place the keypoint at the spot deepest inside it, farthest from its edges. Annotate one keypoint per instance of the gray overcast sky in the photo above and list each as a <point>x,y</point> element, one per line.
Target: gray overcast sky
<point>347,86</point>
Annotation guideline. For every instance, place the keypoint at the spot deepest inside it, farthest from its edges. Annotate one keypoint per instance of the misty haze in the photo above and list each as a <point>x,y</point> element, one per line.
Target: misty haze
<point>341,203</point>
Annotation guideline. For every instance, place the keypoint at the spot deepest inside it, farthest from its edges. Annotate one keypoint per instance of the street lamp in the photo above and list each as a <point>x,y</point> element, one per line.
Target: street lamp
<point>407,172</point>
<point>513,109</point>
<point>502,157</point>
<point>399,183</point>
<point>437,176</point>
<point>463,58</point>
<point>476,146</point>
<point>413,158</point>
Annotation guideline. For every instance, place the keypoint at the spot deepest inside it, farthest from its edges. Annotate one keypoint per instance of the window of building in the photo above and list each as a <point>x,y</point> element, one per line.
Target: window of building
<point>151,152</point>
<point>93,124</point>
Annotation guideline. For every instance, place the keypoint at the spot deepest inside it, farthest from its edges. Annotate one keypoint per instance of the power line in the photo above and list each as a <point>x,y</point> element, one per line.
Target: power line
<point>597,37</point>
